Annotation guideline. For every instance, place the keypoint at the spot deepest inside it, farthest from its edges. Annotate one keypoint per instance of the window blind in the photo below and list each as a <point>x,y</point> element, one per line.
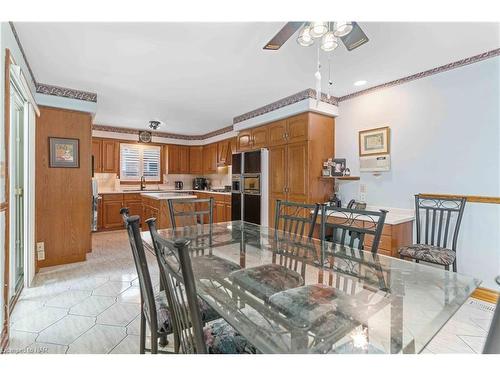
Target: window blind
<point>139,160</point>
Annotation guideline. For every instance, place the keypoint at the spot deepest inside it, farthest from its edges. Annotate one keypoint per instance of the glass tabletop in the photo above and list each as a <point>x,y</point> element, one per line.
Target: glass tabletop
<point>289,294</point>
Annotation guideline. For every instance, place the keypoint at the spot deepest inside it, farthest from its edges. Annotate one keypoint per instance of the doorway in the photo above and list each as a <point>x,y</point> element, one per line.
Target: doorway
<point>17,250</point>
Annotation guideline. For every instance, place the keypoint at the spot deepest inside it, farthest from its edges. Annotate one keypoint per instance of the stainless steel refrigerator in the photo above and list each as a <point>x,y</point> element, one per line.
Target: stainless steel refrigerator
<point>250,190</point>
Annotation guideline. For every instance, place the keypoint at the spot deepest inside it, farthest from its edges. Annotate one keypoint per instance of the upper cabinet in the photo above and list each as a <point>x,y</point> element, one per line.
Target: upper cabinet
<point>210,158</point>
<point>97,155</point>
<point>177,159</point>
<point>110,156</point>
<point>196,159</point>
<point>252,139</point>
<point>224,152</point>
<point>290,130</point>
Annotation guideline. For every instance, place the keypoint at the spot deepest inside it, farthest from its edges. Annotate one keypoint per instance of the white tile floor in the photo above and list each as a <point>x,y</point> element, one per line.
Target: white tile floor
<point>93,307</point>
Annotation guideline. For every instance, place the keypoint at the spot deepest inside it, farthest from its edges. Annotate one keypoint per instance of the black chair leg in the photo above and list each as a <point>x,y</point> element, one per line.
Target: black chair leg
<point>177,344</point>
<point>455,266</point>
<point>142,347</point>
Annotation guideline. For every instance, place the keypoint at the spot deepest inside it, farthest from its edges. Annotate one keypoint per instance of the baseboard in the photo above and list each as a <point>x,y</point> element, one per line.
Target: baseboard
<point>486,295</point>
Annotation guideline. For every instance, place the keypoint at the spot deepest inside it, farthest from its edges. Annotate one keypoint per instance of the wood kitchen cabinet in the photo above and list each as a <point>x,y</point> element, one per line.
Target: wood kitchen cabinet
<point>111,205</point>
<point>196,160</point>
<point>222,205</point>
<point>110,156</point>
<point>97,154</point>
<point>297,147</point>
<point>224,153</point>
<point>210,158</point>
<point>252,139</point>
<point>177,159</point>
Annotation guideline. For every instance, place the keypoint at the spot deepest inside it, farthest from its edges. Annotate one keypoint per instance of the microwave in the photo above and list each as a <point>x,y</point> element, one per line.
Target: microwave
<point>251,184</point>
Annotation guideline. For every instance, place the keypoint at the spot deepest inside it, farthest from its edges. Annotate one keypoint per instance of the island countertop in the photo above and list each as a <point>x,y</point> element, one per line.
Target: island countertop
<point>168,195</point>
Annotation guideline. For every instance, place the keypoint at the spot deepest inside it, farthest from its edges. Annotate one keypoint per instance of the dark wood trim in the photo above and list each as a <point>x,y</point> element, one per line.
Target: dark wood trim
<point>5,323</point>
<point>486,295</point>
<point>470,198</point>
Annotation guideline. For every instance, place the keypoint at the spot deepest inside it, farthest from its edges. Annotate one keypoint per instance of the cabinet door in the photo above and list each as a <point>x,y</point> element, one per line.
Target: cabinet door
<point>222,153</point>
<point>244,140</point>
<point>277,171</point>
<point>111,215</point>
<point>259,137</point>
<point>297,127</point>
<point>183,159</point>
<point>195,160</point>
<point>97,154</point>
<point>297,172</point>
<point>135,208</point>
<point>210,158</point>
<point>219,212</point>
<point>99,214</point>
<point>227,211</point>
<point>277,133</point>
<point>173,159</point>
<point>110,156</point>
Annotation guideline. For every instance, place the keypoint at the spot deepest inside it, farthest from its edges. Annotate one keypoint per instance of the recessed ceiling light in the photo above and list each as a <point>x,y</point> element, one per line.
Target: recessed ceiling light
<point>360,83</point>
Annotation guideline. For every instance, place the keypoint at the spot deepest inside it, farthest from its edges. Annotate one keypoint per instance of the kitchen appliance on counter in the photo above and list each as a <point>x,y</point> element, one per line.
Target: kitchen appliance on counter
<point>200,183</point>
<point>179,185</point>
<point>249,188</point>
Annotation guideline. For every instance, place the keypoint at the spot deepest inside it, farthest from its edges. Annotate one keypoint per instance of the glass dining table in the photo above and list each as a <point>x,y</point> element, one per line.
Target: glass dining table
<point>290,294</point>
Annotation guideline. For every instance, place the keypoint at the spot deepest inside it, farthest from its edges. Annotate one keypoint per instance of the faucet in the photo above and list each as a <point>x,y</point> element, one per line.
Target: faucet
<point>143,183</point>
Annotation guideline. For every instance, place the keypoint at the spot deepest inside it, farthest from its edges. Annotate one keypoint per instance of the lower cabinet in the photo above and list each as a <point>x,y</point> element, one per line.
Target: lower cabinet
<point>222,205</point>
<point>111,205</point>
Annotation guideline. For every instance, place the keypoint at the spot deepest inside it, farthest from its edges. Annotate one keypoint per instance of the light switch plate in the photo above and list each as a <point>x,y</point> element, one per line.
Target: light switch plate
<point>40,246</point>
<point>362,192</point>
<point>41,255</point>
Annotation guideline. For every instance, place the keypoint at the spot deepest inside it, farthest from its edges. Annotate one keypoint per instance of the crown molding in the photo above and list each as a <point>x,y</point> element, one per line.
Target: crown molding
<point>424,74</point>
<point>114,129</point>
<point>16,37</point>
<point>42,88</point>
<point>297,97</point>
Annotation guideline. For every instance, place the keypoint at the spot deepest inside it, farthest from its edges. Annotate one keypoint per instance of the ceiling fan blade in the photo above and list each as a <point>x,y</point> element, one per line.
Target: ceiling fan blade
<point>283,35</point>
<point>355,38</point>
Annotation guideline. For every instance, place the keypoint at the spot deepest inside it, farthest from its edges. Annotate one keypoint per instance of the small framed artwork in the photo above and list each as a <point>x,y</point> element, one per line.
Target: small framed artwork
<point>64,153</point>
<point>374,141</point>
<point>338,167</point>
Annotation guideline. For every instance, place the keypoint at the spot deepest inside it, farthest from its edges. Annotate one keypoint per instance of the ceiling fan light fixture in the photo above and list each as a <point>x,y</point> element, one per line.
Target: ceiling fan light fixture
<point>154,124</point>
<point>305,39</point>
<point>342,28</point>
<point>318,29</point>
<point>329,42</point>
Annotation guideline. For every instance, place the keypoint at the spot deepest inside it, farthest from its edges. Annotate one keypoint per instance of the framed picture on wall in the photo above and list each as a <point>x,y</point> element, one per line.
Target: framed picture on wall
<point>374,141</point>
<point>64,153</point>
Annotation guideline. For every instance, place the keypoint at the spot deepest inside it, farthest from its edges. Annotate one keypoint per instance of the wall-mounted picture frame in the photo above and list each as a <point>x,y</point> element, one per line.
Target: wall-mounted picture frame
<point>374,141</point>
<point>64,152</point>
<point>338,167</point>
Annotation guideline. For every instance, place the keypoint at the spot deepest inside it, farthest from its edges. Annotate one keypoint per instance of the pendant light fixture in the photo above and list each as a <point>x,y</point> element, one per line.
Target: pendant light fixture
<point>305,39</point>
<point>342,28</point>
<point>329,42</point>
<point>318,29</point>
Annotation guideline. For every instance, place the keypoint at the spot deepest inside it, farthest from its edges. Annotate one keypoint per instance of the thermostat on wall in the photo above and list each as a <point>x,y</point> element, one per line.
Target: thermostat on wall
<point>375,163</point>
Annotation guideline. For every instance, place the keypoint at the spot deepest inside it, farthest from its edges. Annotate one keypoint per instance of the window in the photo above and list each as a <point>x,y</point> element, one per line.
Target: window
<point>139,160</point>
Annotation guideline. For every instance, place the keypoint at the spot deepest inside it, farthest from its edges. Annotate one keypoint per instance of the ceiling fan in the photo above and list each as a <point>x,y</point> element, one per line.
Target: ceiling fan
<point>349,33</point>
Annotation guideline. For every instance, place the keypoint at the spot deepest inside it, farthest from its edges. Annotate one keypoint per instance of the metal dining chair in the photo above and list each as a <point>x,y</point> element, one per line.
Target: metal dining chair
<point>437,224</point>
<point>347,226</point>
<point>218,337</point>
<point>492,344</point>
<point>154,307</point>
<point>294,227</point>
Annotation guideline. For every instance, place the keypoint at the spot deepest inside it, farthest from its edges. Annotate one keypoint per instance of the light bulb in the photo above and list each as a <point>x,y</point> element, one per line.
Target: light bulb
<point>305,39</point>
<point>342,28</point>
<point>318,29</point>
<point>329,42</point>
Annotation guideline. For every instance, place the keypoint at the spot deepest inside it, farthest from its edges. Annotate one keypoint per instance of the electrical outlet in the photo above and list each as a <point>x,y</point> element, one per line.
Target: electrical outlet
<point>41,255</point>
<point>362,192</point>
<point>40,246</point>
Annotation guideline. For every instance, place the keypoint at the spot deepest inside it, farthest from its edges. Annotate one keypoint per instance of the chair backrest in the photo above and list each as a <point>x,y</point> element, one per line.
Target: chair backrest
<point>141,265</point>
<point>191,212</point>
<point>180,289</point>
<point>438,220</point>
<point>296,219</point>
<point>350,227</point>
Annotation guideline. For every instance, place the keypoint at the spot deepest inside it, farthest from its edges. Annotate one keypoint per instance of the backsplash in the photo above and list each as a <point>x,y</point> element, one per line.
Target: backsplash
<point>107,181</point>
<point>216,180</point>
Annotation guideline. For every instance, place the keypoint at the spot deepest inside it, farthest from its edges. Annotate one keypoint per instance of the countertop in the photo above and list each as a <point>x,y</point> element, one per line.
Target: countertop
<point>132,191</point>
<point>394,215</point>
<point>168,195</point>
